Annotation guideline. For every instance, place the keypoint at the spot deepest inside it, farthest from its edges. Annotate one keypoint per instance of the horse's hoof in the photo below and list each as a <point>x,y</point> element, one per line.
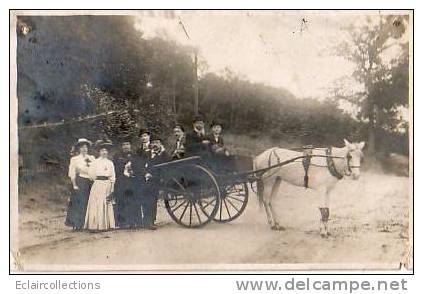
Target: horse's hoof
<point>325,235</point>
<point>278,228</point>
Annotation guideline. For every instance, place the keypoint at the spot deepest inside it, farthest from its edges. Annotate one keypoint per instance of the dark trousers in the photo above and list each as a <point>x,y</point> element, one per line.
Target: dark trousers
<point>77,207</point>
<point>149,204</point>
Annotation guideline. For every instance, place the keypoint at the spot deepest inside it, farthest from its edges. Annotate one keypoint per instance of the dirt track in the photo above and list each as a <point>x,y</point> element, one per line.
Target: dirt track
<point>369,225</point>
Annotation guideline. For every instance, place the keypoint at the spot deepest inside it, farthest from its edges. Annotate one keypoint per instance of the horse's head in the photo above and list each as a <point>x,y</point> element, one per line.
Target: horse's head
<point>354,156</point>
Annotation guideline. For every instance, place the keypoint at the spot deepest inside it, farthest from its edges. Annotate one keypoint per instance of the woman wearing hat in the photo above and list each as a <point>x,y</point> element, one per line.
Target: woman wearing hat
<point>81,183</point>
<point>100,214</point>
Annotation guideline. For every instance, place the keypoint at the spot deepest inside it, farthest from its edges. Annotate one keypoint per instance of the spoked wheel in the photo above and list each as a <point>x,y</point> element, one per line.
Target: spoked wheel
<point>233,202</point>
<point>192,196</point>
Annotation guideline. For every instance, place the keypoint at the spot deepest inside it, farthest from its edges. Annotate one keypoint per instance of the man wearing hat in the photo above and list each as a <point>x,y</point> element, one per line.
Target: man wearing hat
<point>158,155</point>
<point>144,149</point>
<point>180,142</point>
<point>81,183</point>
<point>128,207</point>
<point>217,145</point>
<point>158,152</point>
<point>221,159</point>
<point>140,164</point>
<point>197,143</point>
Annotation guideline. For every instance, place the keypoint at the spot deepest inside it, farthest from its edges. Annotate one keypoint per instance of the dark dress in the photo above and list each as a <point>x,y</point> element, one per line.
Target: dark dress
<point>128,206</point>
<point>77,206</point>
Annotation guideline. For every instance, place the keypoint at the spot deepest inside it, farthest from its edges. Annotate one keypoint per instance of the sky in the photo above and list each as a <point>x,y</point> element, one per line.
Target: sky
<point>288,49</point>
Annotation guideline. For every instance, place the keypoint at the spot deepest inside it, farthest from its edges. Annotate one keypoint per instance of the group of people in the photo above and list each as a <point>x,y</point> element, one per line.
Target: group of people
<point>122,192</point>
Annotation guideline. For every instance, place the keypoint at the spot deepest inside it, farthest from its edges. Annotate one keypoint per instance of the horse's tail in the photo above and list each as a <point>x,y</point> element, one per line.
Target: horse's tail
<point>260,185</point>
<point>260,191</point>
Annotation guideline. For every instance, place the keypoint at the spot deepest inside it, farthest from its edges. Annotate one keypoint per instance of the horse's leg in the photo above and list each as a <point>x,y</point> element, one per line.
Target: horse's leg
<point>324,210</point>
<point>268,213</point>
<point>273,194</point>
<point>324,217</point>
<point>264,196</point>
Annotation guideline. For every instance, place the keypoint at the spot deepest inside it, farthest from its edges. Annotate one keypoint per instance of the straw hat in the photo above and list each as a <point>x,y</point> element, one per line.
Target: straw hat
<point>83,141</point>
<point>100,144</point>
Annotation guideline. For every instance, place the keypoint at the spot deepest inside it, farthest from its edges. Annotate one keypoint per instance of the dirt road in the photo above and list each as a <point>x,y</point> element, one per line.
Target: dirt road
<point>369,225</point>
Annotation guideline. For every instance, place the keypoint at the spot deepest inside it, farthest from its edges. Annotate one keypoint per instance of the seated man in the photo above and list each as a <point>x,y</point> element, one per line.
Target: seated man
<point>158,152</point>
<point>180,142</point>
<point>197,143</point>
<point>217,145</point>
<point>221,159</point>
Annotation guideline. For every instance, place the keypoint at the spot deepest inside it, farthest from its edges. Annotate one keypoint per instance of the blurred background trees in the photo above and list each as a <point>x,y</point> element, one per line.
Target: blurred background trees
<point>69,67</point>
<point>380,53</point>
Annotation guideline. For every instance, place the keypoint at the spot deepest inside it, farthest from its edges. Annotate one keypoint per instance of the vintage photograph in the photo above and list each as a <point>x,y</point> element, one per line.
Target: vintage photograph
<point>175,140</point>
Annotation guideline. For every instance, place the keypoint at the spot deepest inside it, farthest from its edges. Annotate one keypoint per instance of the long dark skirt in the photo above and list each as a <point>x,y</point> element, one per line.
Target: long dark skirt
<point>77,207</point>
<point>128,204</point>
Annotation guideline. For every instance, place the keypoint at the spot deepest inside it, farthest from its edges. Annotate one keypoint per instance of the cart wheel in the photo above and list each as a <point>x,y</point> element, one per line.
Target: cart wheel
<point>192,196</point>
<point>233,202</point>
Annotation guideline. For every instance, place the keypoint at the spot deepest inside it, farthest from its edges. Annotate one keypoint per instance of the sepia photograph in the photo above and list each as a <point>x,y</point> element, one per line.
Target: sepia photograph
<point>211,140</point>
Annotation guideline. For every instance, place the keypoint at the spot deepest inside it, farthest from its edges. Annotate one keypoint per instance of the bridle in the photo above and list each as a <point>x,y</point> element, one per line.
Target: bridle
<point>349,167</point>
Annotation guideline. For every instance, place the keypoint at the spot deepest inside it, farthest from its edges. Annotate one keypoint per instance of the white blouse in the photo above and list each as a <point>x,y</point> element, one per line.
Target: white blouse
<point>79,165</point>
<point>102,167</point>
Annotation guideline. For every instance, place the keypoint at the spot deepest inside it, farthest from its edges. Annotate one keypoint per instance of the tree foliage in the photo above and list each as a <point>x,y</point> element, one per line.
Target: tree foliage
<point>380,56</point>
<point>72,66</point>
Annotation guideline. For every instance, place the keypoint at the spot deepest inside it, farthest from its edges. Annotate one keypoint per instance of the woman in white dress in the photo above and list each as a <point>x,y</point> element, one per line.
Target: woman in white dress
<point>81,183</point>
<point>100,214</point>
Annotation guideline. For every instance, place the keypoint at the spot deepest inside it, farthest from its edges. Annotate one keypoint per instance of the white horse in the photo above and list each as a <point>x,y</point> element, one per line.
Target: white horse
<point>323,169</point>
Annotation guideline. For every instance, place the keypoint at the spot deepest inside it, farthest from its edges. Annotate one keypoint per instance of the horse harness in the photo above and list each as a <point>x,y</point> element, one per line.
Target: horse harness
<point>331,164</point>
<point>308,152</point>
<point>306,162</point>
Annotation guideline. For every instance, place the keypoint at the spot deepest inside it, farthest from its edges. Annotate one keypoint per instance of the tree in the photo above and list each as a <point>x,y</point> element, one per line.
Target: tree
<point>73,66</point>
<point>79,65</point>
<point>384,78</point>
